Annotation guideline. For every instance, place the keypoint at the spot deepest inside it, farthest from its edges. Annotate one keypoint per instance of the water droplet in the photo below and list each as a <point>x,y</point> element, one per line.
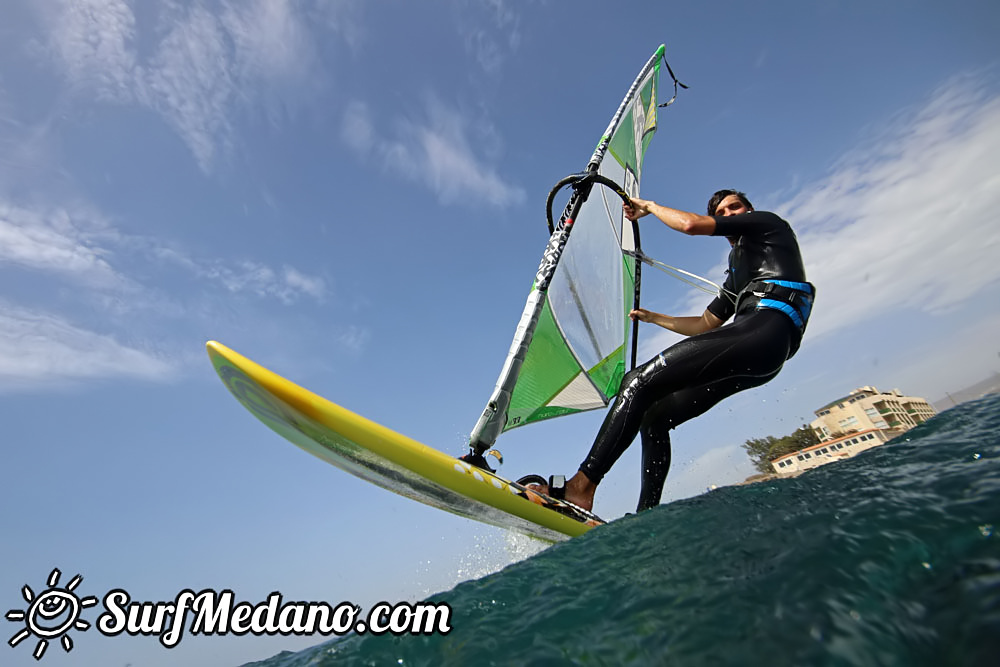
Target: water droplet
<point>855,615</point>
<point>977,456</point>
<point>986,529</point>
<point>926,565</point>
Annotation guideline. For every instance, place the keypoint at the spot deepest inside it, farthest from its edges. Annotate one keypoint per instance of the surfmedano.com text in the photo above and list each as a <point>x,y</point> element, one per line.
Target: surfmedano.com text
<point>213,613</point>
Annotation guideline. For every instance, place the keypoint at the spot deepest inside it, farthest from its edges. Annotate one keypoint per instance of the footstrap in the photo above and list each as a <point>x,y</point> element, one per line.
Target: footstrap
<point>557,487</point>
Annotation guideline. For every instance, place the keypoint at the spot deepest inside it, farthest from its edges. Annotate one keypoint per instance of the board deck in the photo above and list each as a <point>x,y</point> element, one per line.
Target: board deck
<point>391,460</point>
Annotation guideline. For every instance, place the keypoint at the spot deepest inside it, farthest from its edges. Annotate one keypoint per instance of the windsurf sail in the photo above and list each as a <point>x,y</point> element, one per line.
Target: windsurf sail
<point>569,351</point>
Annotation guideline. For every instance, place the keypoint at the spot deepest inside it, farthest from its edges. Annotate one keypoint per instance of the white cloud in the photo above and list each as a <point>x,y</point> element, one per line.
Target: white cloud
<point>436,151</point>
<point>286,284</point>
<point>26,151</point>
<point>59,242</point>
<point>909,220</point>
<point>262,280</point>
<point>38,350</point>
<point>81,247</point>
<point>342,18</point>
<point>298,281</point>
<point>491,31</point>
<point>270,39</point>
<point>93,42</point>
<point>191,83</point>
<point>353,338</point>
<point>205,66</point>
<point>356,128</point>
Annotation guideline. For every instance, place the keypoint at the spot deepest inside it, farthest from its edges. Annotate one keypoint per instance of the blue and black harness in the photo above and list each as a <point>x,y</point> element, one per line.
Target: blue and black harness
<point>794,299</point>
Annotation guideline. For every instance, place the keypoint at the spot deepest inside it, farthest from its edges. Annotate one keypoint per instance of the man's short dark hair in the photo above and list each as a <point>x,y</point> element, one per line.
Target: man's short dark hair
<point>717,198</point>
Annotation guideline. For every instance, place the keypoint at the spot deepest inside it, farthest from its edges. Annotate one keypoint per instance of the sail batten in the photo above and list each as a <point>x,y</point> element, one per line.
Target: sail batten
<point>568,352</point>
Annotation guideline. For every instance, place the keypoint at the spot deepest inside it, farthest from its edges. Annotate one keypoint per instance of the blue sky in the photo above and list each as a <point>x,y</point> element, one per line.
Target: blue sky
<point>351,193</point>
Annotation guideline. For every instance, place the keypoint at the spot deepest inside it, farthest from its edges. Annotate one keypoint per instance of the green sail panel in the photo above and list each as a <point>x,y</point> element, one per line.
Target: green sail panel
<point>549,367</point>
<point>576,358</point>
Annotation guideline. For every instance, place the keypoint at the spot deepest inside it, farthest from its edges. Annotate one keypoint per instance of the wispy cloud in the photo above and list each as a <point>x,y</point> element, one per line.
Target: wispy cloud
<point>38,350</point>
<point>81,247</point>
<point>490,30</point>
<point>191,82</point>
<point>57,241</point>
<point>286,284</point>
<point>98,282</point>
<point>436,150</point>
<point>270,39</point>
<point>342,18</point>
<point>208,61</point>
<point>353,338</point>
<point>908,221</point>
<point>93,42</point>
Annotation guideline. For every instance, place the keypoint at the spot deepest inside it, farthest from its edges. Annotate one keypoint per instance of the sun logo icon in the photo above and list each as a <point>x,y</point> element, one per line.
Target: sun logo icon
<point>52,614</point>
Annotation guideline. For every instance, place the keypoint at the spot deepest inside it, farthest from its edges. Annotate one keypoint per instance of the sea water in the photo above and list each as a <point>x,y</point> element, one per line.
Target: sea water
<point>889,558</point>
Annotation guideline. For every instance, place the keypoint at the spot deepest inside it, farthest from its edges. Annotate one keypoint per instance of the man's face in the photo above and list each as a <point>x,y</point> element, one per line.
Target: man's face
<point>731,205</point>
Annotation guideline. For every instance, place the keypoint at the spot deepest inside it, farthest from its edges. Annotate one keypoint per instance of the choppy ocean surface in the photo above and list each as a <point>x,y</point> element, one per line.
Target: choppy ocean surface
<point>889,558</point>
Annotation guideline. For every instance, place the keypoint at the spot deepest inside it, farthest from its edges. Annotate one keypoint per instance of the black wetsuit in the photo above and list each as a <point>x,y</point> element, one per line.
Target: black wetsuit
<point>686,379</point>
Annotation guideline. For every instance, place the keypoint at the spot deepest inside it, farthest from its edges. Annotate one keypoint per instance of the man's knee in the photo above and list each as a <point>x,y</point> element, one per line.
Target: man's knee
<point>637,378</point>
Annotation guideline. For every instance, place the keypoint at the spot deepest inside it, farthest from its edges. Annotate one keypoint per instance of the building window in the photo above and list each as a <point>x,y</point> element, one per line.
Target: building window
<point>848,422</point>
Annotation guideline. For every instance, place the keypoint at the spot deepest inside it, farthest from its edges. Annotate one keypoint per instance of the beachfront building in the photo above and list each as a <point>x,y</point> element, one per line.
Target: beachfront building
<point>868,408</point>
<point>829,451</point>
<point>863,419</point>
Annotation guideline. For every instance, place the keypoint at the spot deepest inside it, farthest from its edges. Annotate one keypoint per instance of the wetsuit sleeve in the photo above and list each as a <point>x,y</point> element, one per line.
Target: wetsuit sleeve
<point>721,306</point>
<point>754,223</point>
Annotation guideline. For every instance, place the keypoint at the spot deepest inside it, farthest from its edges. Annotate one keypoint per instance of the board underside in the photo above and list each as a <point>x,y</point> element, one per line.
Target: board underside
<point>391,460</point>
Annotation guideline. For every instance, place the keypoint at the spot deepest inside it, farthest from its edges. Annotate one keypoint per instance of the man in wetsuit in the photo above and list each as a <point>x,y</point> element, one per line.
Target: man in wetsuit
<point>766,290</point>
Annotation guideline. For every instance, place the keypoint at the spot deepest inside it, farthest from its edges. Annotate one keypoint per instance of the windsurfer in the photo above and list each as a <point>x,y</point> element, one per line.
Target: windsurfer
<point>771,308</point>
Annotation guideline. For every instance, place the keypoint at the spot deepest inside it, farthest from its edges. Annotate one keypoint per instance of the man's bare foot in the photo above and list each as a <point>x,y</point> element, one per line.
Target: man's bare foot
<point>579,491</point>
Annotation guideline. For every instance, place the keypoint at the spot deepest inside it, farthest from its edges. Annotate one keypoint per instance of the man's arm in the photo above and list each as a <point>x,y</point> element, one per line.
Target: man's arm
<point>682,221</point>
<point>686,326</point>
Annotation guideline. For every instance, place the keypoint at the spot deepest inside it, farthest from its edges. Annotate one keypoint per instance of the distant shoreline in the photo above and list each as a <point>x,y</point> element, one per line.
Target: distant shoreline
<point>990,385</point>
